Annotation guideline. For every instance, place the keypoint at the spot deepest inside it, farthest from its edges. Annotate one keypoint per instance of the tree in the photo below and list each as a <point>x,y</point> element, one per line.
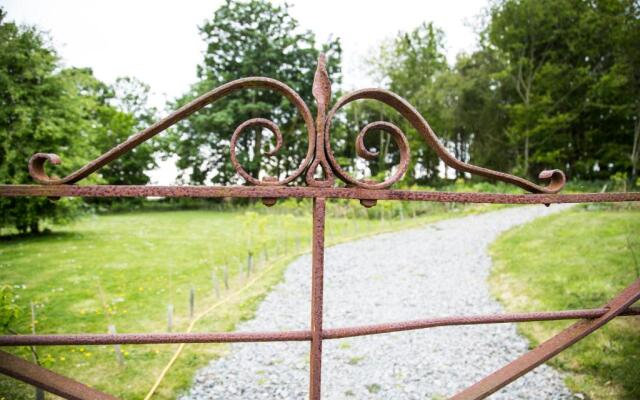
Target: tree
<point>614,98</point>
<point>44,108</point>
<point>478,112</point>
<point>118,112</point>
<point>36,115</point>
<point>412,63</point>
<point>572,67</point>
<point>252,38</point>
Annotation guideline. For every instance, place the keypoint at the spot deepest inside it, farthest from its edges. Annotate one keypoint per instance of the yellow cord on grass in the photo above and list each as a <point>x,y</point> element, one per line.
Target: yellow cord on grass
<point>195,320</point>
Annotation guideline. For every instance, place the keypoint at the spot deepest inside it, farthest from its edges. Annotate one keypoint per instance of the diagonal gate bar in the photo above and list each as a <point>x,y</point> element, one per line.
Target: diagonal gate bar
<point>50,381</point>
<point>551,347</point>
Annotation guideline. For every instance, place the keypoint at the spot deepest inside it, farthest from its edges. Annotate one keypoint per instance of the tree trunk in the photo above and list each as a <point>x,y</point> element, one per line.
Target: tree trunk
<point>34,227</point>
<point>635,152</point>
<point>257,153</point>
<point>526,155</point>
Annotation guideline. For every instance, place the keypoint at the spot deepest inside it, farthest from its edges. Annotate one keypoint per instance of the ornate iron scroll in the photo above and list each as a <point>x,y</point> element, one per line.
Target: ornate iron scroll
<point>319,157</point>
<point>319,153</point>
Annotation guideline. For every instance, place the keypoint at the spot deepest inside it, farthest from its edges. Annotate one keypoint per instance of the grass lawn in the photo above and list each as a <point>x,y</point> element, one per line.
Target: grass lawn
<point>125,269</point>
<point>577,259</point>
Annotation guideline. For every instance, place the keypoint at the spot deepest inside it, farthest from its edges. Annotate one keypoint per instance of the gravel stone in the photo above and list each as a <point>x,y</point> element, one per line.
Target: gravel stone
<point>436,270</point>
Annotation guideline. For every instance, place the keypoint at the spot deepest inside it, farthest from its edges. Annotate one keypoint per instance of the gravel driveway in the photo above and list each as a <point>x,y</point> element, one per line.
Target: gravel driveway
<point>436,270</point>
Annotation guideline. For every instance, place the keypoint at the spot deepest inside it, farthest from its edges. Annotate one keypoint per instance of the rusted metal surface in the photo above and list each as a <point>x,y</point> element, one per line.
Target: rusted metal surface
<point>38,160</point>
<point>154,338</point>
<point>317,282</point>
<point>340,333</point>
<point>295,336</point>
<point>307,192</point>
<point>255,122</point>
<point>555,177</point>
<point>322,93</point>
<point>318,170</point>
<point>43,378</point>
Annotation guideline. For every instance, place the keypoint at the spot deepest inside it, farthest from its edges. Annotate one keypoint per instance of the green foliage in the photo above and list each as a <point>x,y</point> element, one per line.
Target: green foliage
<point>44,108</point>
<point>120,114</point>
<point>249,38</point>
<point>36,115</point>
<point>411,64</point>
<point>9,310</point>
<point>553,84</point>
<point>570,99</point>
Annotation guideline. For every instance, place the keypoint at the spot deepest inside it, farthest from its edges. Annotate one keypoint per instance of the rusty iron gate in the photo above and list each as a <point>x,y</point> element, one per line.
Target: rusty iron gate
<point>319,169</point>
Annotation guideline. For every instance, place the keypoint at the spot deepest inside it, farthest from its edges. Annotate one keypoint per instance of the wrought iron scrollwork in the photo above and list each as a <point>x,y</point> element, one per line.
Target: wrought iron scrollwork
<point>319,152</point>
<point>38,160</point>
<point>556,177</point>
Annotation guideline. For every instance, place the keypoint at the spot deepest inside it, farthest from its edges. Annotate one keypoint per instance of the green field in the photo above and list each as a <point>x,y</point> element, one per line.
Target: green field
<point>577,259</point>
<point>125,269</point>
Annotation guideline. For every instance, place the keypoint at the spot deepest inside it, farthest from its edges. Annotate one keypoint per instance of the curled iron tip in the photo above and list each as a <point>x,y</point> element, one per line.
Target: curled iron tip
<point>556,178</point>
<point>36,167</point>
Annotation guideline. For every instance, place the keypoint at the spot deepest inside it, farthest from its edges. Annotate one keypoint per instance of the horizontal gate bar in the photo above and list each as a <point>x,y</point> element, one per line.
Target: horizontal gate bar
<point>50,381</point>
<point>336,333</point>
<point>152,338</point>
<point>305,192</point>
<point>469,320</point>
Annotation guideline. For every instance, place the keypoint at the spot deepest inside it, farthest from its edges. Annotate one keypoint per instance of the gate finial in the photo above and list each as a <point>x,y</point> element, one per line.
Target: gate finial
<point>321,91</point>
<point>322,85</point>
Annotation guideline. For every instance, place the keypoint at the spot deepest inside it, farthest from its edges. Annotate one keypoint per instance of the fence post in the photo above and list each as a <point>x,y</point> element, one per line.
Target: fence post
<point>215,283</point>
<point>169,317</point>
<point>39,391</point>
<point>116,347</point>
<point>285,242</point>
<point>192,300</point>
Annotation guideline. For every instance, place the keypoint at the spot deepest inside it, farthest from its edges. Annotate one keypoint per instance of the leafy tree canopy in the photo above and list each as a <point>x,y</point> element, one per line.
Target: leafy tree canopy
<point>249,38</point>
<point>44,108</point>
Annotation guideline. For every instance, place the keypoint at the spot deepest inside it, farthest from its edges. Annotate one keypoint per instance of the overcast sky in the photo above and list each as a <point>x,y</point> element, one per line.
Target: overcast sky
<point>158,41</point>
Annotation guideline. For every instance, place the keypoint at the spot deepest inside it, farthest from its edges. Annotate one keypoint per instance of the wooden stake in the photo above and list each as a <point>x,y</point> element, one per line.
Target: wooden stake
<point>169,317</point>
<point>34,354</point>
<point>116,347</point>
<point>215,283</point>
<point>192,300</point>
<point>249,263</point>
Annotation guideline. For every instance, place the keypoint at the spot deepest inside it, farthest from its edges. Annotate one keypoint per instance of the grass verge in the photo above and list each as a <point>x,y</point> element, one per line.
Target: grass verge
<point>125,270</point>
<point>577,259</point>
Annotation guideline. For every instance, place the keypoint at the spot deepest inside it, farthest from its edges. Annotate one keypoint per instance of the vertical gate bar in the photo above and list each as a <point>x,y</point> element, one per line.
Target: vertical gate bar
<point>317,272</point>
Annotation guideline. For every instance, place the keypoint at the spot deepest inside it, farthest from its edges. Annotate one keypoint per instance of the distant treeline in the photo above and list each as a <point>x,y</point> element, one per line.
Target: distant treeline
<point>551,84</point>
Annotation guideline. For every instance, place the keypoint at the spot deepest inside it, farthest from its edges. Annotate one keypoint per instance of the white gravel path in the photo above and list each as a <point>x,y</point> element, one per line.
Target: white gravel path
<point>437,270</point>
